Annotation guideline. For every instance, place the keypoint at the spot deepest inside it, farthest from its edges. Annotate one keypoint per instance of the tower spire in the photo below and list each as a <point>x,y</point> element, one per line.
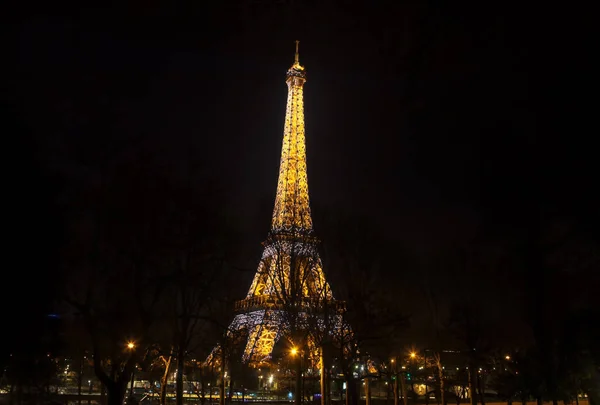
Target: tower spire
<point>297,58</point>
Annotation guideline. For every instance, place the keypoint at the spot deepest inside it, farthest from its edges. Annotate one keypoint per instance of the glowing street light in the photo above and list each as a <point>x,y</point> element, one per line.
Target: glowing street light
<point>131,346</point>
<point>294,351</point>
<point>507,357</point>
<point>413,355</point>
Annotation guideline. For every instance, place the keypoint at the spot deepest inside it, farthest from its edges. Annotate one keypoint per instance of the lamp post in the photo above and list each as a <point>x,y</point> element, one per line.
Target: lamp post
<point>131,347</point>
<point>412,356</point>
<point>299,375</point>
<point>395,374</point>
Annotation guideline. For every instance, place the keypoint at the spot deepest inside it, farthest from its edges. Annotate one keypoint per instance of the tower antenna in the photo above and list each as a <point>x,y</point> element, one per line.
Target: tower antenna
<point>297,59</point>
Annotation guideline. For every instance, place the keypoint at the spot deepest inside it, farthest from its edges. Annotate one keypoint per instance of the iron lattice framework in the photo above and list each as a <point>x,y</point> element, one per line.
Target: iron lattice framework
<point>289,295</point>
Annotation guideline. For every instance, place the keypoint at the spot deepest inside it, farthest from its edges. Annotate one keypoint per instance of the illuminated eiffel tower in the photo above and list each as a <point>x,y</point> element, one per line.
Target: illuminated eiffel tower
<point>289,294</point>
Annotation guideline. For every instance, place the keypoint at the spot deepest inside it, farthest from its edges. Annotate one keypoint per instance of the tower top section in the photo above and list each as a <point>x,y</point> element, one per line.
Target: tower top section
<point>297,70</point>
<point>291,214</point>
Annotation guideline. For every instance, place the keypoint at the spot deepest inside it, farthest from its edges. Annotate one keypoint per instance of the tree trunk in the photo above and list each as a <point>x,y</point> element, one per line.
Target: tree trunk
<point>115,393</point>
<point>230,394</point>
<point>202,386</point>
<point>79,380</point>
<point>203,394</point>
<point>404,390</point>
<point>367,391</point>
<point>102,395</point>
<point>298,397</point>
<point>179,375</point>
<point>396,394</point>
<point>115,388</point>
<point>440,369</point>
<point>325,377</point>
<point>481,389</point>
<point>165,379</point>
<point>222,382</point>
<point>352,392</point>
<point>347,391</point>
<point>472,385</point>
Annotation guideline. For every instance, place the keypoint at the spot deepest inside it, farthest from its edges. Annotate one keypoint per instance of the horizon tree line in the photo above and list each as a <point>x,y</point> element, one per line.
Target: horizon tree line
<point>151,263</point>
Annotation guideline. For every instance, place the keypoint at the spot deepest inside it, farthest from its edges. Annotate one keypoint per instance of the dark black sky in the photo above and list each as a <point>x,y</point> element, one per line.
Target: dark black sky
<point>431,120</point>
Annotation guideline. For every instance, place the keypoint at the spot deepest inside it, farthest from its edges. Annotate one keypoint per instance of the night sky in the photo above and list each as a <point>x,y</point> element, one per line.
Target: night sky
<point>431,121</point>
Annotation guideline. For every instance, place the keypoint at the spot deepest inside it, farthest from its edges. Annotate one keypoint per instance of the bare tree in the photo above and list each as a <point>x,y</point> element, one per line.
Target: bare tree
<point>553,255</point>
<point>167,360</point>
<point>192,285</point>
<point>229,341</point>
<point>137,262</point>
<point>373,318</point>
<point>116,298</point>
<point>119,340</point>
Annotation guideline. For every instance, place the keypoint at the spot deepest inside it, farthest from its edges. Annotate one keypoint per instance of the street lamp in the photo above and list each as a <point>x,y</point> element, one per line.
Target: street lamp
<point>131,347</point>
<point>413,355</point>
<point>299,374</point>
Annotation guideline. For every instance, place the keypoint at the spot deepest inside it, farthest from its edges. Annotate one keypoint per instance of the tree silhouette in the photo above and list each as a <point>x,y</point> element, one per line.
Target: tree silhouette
<point>355,254</point>
<point>128,250</point>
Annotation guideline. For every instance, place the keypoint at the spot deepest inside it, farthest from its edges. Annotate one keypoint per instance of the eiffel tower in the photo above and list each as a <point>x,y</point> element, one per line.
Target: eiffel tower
<point>289,293</point>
